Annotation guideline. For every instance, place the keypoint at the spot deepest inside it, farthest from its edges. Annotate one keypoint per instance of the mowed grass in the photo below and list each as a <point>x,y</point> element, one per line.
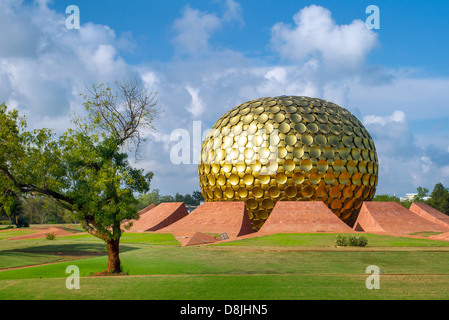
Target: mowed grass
<point>291,266</point>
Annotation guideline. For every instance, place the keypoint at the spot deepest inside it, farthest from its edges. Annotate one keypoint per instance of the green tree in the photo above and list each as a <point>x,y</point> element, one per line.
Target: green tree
<point>85,170</point>
<point>149,198</point>
<point>439,198</point>
<point>179,197</point>
<point>198,197</point>
<point>12,207</point>
<point>422,194</point>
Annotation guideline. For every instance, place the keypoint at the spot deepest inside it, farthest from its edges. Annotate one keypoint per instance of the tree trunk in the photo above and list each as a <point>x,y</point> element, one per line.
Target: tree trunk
<point>113,256</point>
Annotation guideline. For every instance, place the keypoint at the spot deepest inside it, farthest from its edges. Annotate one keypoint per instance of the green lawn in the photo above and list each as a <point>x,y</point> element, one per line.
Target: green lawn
<point>291,266</point>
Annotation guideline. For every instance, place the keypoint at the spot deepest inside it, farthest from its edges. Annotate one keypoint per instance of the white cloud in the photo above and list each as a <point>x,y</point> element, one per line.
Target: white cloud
<point>196,107</point>
<point>194,28</point>
<point>315,34</point>
<point>44,66</point>
<point>397,116</point>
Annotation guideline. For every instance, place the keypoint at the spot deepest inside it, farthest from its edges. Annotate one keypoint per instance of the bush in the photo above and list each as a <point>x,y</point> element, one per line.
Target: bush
<point>352,240</point>
<point>341,241</point>
<point>50,236</point>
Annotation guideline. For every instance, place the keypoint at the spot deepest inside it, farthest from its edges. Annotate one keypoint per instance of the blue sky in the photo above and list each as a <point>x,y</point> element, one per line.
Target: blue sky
<point>205,57</point>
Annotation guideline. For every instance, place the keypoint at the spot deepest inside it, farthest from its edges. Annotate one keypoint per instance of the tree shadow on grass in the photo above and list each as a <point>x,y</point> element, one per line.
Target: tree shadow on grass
<point>71,249</point>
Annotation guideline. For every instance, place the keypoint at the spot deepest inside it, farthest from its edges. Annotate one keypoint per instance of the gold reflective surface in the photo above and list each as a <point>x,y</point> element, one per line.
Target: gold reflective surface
<point>289,148</point>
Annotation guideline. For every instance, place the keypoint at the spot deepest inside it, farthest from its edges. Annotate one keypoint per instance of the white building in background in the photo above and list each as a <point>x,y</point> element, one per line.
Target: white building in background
<point>411,197</point>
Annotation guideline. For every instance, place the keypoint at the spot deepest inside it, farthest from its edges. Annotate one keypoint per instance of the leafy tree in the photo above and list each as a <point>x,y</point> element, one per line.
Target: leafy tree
<point>422,194</point>
<point>198,197</point>
<point>85,170</point>
<point>40,209</point>
<point>12,207</point>
<point>439,198</point>
<point>179,197</point>
<point>149,198</point>
<point>193,199</point>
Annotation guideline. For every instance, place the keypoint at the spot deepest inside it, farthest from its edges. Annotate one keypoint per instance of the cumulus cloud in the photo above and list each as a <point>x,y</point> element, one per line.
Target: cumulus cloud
<point>315,34</point>
<point>44,66</point>
<point>195,28</point>
<point>397,117</point>
<point>196,106</point>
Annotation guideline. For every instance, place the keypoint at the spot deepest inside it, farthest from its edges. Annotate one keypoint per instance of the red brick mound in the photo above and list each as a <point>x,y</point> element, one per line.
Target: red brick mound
<point>215,218</point>
<point>427,212</point>
<point>391,217</point>
<point>154,217</point>
<point>302,217</point>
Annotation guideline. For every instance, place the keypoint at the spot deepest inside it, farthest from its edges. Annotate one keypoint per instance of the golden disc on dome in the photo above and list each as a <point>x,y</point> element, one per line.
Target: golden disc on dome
<point>321,191</point>
<point>344,178</point>
<point>306,165</point>
<point>300,127</point>
<point>314,178</point>
<point>229,192</point>
<point>329,178</point>
<point>275,109</point>
<point>221,180</point>
<point>307,139</point>
<point>308,117</point>
<point>242,192</point>
<point>248,179</point>
<point>218,193</point>
<point>262,118</point>
<point>308,191</point>
<point>234,179</point>
<point>320,140</point>
<point>257,192</point>
<point>264,178</point>
<point>322,165</point>
<point>290,139</point>
<point>334,192</point>
<point>315,152</point>
<point>281,178</point>
<point>284,127</point>
<point>270,103</point>
<point>312,128</point>
<point>279,117</point>
<point>329,153</point>
<point>282,152</point>
<point>298,178</point>
<point>292,109</point>
<point>338,165</point>
<point>267,204</point>
<point>291,191</point>
<point>274,191</point>
<point>289,165</point>
<point>324,128</point>
<point>298,152</point>
<point>296,118</point>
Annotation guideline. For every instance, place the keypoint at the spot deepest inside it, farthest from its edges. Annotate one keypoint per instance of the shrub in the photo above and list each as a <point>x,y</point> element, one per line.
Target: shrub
<point>341,241</point>
<point>50,236</point>
<point>352,240</point>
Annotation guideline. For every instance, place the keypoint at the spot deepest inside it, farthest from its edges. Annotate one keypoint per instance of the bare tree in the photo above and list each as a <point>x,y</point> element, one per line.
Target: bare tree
<point>127,112</point>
